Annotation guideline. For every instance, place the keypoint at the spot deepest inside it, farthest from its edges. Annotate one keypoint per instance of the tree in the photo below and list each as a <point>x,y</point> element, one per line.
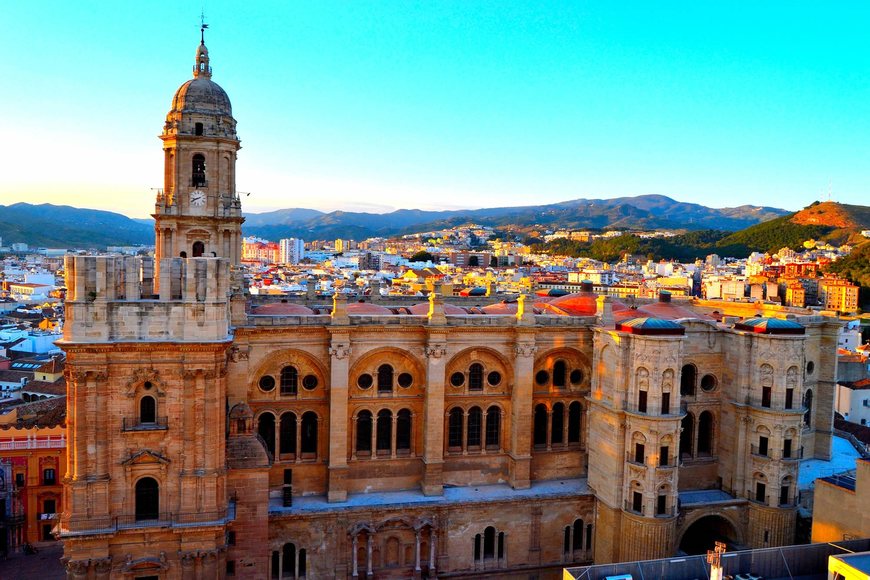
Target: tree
<point>422,256</point>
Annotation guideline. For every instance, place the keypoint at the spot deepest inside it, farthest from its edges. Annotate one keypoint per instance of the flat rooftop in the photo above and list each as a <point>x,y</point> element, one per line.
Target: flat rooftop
<point>415,498</point>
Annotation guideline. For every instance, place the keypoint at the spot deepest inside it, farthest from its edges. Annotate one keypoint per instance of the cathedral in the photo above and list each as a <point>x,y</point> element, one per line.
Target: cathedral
<point>214,435</point>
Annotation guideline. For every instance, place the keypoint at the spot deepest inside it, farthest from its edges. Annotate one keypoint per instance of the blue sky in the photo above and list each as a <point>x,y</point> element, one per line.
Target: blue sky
<point>380,105</point>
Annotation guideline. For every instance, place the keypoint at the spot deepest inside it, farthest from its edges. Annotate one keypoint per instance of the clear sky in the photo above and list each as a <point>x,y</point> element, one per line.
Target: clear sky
<point>465,103</point>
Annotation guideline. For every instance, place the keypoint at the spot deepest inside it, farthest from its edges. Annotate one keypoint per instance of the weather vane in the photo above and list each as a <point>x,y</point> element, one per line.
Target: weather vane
<point>202,26</point>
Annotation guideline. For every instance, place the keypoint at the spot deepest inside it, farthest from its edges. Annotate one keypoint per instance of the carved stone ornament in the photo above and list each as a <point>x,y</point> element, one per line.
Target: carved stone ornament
<point>435,350</point>
<point>340,351</point>
<point>236,354</point>
<point>78,567</point>
<point>525,350</point>
<point>187,559</point>
<point>103,565</point>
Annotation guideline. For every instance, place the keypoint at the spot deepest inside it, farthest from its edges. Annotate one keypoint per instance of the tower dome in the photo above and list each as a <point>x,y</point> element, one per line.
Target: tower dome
<point>201,94</point>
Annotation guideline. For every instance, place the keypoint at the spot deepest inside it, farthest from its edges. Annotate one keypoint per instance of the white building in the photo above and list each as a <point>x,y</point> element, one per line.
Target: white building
<point>291,250</point>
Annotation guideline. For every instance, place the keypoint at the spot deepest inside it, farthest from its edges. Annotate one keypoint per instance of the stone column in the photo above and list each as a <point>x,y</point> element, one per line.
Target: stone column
<point>369,554</point>
<point>433,542</point>
<point>521,411</point>
<point>339,363</point>
<point>433,414</point>
<point>355,564</point>
<point>417,552</point>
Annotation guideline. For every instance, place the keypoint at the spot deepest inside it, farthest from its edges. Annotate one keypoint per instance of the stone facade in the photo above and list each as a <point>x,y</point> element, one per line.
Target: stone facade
<point>207,440</point>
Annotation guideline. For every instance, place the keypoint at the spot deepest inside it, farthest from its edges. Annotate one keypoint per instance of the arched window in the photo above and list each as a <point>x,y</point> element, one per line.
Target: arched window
<point>147,499</point>
<point>575,414</point>
<point>687,380</point>
<point>364,432</point>
<point>198,249</point>
<point>808,404</point>
<point>403,431</point>
<point>303,564</point>
<point>454,429</point>
<point>559,374</point>
<point>309,432</point>
<point>705,433</point>
<point>687,436</point>
<point>287,434</point>
<point>266,430</point>
<point>475,418</point>
<point>493,428</point>
<point>198,170</point>
<point>147,410</point>
<point>489,543</point>
<point>557,425</point>
<point>577,543</point>
<point>289,558</point>
<point>289,381</point>
<point>385,431</point>
<point>566,541</point>
<point>475,377</point>
<point>385,379</point>
<point>540,428</point>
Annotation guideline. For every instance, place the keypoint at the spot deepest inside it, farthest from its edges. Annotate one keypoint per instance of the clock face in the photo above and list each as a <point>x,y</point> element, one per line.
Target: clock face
<point>197,198</point>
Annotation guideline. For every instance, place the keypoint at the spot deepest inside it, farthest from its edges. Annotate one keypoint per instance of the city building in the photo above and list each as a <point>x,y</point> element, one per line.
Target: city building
<point>291,251</point>
<point>840,506</point>
<point>212,435</point>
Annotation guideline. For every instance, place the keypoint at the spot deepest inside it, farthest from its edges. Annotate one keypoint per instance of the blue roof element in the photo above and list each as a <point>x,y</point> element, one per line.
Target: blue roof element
<point>763,325</point>
<point>649,325</point>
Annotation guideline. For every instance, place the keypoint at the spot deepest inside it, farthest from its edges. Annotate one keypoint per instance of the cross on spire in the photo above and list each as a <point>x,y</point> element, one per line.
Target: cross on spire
<point>202,27</point>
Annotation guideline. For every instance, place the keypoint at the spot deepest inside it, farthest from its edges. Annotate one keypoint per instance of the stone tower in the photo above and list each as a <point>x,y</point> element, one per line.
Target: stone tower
<point>636,413</point>
<point>198,212</point>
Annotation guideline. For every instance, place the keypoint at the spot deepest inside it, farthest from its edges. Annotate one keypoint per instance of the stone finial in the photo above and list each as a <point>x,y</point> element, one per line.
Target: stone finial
<point>339,309</point>
<point>604,311</point>
<point>311,288</point>
<point>436,309</point>
<point>525,313</point>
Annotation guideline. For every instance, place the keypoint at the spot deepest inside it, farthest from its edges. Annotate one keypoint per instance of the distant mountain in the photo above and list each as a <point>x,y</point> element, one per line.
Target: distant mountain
<point>641,212</point>
<point>49,225</point>
<point>62,226</point>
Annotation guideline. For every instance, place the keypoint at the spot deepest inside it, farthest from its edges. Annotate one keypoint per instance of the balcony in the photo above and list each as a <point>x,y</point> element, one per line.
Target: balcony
<point>758,452</point>
<point>793,455</point>
<point>629,507</point>
<point>51,442</point>
<point>136,424</point>
<point>654,410</point>
<point>72,527</point>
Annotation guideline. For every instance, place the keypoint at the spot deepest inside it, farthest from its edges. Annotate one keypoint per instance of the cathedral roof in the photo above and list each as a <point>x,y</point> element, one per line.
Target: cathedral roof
<point>764,325</point>
<point>423,308</point>
<point>650,326</point>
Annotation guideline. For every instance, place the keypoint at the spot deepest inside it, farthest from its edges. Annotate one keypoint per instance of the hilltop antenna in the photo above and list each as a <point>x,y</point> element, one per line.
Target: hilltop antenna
<point>830,189</point>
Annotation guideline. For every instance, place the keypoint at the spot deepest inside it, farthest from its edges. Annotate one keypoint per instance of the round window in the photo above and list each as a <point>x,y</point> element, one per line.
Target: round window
<point>267,383</point>
<point>147,385</point>
<point>576,377</point>
<point>542,377</point>
<point>405,380</point>
<point>493,378</point>
<point>708,382</point>
<point>457,379</point>
<point>309,382</point>
<point>364,381</point>
<point>811,366</point>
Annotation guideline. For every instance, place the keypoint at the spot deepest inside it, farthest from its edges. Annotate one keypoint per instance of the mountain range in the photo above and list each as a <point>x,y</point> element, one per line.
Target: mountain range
<point>47,225</point>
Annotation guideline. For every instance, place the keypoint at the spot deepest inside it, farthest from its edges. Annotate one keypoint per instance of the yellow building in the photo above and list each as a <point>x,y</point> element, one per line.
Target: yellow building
<point>840,506</point>
<point>33,441</point>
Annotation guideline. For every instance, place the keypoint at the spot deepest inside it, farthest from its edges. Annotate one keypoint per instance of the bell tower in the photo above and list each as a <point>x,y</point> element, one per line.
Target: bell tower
<point>198,212</point>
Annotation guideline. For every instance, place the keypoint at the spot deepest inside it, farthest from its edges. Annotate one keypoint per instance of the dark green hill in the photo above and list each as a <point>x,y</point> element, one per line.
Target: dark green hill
<point>772,235</point>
